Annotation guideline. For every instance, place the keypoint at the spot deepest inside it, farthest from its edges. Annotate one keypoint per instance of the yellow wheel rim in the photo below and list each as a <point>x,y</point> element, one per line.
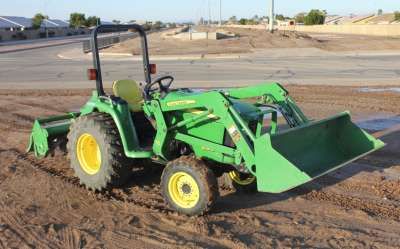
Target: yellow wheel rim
<point>239,179</point>
<point>89,155</point>
<point>183,190</point>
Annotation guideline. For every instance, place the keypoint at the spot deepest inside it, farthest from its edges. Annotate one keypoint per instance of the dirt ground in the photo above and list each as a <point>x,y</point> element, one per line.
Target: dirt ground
<point>43,206</point>
<point>250,39</point>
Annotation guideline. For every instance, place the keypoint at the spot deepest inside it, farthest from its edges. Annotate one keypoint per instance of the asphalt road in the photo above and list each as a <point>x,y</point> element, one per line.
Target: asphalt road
<point>42,68</point>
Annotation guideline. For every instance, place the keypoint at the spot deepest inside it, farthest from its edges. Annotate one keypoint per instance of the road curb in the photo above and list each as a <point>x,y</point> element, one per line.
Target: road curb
<point>124,56</point>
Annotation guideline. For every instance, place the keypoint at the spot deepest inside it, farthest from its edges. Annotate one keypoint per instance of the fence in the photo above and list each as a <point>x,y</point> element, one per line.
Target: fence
<point>111,39</point>
<point>107,41</point>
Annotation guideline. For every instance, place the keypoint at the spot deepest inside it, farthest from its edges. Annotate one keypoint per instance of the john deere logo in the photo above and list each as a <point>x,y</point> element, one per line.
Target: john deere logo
<point>181,102</point>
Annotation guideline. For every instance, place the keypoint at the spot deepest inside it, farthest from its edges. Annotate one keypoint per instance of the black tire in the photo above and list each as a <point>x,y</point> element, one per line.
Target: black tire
<point>115,167</point>
<point>227,182</point>
<point>205,179</point>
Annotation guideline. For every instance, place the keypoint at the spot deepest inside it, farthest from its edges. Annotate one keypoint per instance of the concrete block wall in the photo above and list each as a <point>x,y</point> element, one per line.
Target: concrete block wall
<point>258,26</point>
<point>387,30</point>
<point>197,36</point>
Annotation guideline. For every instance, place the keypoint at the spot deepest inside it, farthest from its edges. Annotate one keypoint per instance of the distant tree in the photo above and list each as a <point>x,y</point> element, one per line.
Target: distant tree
<point>172,25</point>
<point>380,12</point>
<point>37,20</point>
<point>397,16</point>
<point>146,26</point>
<point>233,19</point>
<point>251,22</point>
<point>116,21</point>
<point>77,20</point>
<point>243,21</point>
<point>157,25</point>
<point>300,17</point>
<point>92,21</point>
<point>315,17</point>
<point>280,17</point>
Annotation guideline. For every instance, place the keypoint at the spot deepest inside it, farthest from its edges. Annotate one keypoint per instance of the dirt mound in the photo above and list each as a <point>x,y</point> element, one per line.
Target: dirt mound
<point>42,204</point>
<point>249,40</point>
<point>244,42</point>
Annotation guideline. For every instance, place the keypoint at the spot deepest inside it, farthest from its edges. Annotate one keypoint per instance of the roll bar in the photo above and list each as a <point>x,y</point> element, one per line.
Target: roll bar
<point>96,57</point>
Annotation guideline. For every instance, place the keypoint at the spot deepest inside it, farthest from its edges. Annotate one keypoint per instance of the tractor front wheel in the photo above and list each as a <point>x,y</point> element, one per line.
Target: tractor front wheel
<point>96,152</point>
<point>242,183</point>
<point>189,186</point>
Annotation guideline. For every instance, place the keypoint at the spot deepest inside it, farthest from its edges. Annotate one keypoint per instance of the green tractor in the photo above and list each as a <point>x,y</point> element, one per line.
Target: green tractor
<point>198,136</point>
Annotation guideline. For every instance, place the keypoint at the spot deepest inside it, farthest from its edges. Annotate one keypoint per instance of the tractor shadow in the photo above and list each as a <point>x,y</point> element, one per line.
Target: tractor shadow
<point>380,160</point>
<point>146,176</point>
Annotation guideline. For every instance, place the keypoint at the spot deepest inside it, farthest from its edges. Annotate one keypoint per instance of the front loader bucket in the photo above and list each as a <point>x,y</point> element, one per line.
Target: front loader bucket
<point>296,156</point>
<point>49,131</point>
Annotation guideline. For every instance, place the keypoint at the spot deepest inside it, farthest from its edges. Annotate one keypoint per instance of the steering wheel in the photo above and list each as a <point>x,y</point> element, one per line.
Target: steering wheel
<point>161,88</point>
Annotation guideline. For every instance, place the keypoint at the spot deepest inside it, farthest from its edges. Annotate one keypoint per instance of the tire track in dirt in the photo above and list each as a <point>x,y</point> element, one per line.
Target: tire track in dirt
<point>124,196</point>
<point>372,208</point>
<point>378,187</point>
<point>67,236</point>
<point>27,233</point>
<point>224,239</point>
<point>205,225</point>
<point>15,121</point>
<point>119,195</point>
<point>45,92</point>
<point>41,106</point>
<point>10,238</point>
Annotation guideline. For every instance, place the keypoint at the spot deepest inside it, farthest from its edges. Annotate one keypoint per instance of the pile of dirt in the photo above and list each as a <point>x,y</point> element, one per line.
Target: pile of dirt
<point>249,40</point>
<point>244,42</point>
<point>42,204</point>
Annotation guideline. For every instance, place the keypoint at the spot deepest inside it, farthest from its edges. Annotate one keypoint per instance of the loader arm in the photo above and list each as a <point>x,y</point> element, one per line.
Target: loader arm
<point>275,94</point>
<point>219,107</point>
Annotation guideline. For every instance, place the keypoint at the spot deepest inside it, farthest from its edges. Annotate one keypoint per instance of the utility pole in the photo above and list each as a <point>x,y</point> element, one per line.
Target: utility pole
<point>45,19</point>
<point>45,27</point>
<point>209,13</point>
<point>220,12</point>
<point>271,17</point>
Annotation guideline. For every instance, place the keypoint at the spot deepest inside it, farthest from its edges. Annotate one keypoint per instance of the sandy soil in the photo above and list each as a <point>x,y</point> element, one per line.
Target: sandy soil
<point>43,206</point>
<point>250,39</point>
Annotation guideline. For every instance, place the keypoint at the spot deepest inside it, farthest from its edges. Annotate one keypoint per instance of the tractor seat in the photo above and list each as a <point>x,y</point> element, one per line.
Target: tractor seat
<point>129,91</point>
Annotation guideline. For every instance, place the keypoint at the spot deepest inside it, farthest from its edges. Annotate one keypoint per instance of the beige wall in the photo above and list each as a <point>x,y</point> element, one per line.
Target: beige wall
<point>198,36</point>
<point>355,29</point>
<point>259,26</point>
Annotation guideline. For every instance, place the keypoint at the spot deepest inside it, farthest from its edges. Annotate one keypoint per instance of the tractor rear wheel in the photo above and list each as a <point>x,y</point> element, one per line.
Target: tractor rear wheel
<point>96,152</point>
<point>189,186</point>
<point>242,183</point>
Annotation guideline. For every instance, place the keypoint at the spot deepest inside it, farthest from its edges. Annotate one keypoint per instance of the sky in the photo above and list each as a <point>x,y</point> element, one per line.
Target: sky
<point>186,10</point>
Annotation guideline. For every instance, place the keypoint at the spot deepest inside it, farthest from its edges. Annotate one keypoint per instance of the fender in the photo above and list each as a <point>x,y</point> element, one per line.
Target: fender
<point>118,109</point>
